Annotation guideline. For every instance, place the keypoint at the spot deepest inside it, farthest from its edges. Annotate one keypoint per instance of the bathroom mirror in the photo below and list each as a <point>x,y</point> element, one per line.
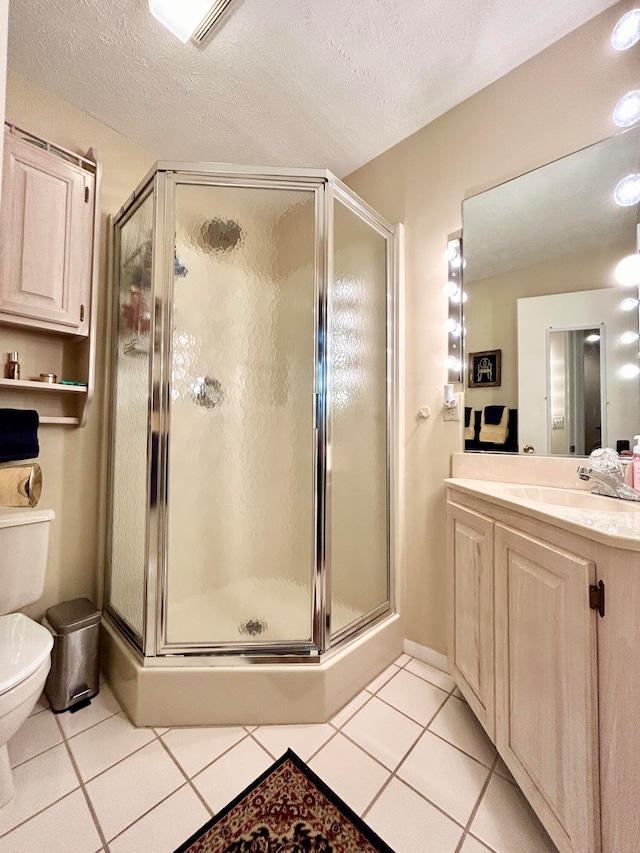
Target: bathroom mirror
<point>540,253</point>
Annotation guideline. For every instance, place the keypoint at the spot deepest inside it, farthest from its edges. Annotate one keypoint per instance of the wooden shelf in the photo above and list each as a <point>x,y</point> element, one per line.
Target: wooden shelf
<point>34,385</point>
<point>61,420</point>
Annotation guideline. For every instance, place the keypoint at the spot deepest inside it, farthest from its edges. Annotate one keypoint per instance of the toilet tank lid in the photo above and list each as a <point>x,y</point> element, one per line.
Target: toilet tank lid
<point>15,516</point>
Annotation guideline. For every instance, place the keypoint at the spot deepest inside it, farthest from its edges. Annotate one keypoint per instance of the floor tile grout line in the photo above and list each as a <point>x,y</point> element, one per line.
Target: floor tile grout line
<point>413,720</point>
<point>85,793</point>
<point>474,811</point>
<point>190,779</point>
<point>185,784</point>
<point>364,704</point>
<point>463,751</point>
<point>39,812</point>
<point>36,755</point>
<point>120,760</point>
<point>246,736</point>
<point>98,723</point>
<point>367,753</point>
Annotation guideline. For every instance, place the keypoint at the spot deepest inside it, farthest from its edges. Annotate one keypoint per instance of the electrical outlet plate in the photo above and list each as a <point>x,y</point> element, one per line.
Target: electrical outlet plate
<point>451,414</point>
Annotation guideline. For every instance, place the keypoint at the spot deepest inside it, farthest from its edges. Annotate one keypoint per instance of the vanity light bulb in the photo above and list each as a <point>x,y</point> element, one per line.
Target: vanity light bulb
<point>629,371</point>
<point>451,325</point>
<point>628,304</point>
<point>627,272</point>
<point>629,337</point>
<point>450,289</point>
<point>627,192</point>
<point>452,363</point>
<point>591,339</point>
<point>627,31</point>
<point>452,252</point>
<point>627,111</point>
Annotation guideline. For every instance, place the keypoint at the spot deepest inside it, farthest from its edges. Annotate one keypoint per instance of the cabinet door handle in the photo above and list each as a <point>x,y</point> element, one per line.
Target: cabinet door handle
<point>81,313</point>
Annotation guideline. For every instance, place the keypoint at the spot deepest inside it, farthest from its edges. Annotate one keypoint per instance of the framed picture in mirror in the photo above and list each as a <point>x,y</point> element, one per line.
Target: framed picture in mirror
<point>484,368</point>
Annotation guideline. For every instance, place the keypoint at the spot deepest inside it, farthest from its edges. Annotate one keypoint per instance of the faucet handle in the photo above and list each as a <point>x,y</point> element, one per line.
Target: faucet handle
<point>606,460</point>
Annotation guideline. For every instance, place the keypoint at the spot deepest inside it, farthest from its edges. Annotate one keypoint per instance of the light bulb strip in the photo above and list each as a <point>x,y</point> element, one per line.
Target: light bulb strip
<point>454,324</point>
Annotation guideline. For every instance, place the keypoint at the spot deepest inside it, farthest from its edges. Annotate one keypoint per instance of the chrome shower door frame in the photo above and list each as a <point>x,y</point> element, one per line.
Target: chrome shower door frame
<point>313,181</point>
<point>339,192</point>
<point>161,182</point>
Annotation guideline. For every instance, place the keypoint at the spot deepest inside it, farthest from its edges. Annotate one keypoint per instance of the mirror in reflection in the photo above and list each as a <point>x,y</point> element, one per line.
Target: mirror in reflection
<point>541,254</point>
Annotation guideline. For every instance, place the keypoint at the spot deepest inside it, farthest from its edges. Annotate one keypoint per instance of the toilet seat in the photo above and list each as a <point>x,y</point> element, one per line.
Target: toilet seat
<point>24,646</point>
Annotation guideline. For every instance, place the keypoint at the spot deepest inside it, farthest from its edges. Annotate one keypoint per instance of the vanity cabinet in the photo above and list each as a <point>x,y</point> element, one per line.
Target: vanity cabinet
<point>471,632</point>
<point>545,675</point>
<point>523,650</point>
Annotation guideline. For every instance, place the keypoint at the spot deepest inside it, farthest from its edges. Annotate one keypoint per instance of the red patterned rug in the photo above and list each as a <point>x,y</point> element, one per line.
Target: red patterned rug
<point>286,810</point>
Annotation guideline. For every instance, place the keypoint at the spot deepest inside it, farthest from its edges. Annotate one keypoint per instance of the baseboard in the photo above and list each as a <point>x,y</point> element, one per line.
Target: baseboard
<point>424,653</point>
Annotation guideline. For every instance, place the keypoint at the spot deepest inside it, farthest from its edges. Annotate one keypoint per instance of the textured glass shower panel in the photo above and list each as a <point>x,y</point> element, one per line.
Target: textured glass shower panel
<point>241,453</point>
<point>359,493</point>
<point>130,479</point>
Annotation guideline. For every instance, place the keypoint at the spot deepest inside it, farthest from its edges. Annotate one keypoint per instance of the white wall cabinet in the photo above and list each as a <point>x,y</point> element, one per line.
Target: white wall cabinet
<point>520,623</point>
<point>49,244</point>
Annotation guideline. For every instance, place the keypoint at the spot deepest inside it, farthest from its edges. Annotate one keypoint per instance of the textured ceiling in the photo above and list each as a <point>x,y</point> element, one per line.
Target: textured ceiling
<point>562,209</point>
<point>326,83</point>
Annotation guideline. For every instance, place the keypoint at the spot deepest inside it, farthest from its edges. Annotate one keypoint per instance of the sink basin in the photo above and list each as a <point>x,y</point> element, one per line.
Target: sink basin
<point>571,499</point>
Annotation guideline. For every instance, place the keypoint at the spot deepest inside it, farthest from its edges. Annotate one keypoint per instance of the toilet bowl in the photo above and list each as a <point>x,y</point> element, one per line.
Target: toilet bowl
<point>25,659</point>
<point>25,646</point>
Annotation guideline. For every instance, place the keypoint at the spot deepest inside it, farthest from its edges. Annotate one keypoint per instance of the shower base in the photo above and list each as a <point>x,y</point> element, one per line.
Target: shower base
<point>175,691</point>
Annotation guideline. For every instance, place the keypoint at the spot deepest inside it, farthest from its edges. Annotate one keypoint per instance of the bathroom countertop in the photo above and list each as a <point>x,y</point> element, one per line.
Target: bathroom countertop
<point>612,522</point>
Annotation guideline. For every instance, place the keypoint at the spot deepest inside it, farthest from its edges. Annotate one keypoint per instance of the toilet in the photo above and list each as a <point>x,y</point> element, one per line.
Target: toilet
<point>25,646</point>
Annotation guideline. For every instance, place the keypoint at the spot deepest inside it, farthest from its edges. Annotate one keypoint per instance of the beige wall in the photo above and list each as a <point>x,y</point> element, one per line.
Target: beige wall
<point>74,478</point>
<point>555,103</point>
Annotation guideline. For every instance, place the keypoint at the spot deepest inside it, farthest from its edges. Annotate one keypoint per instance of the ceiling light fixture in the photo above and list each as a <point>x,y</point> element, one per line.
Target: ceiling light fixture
<point>627,31</point>
<point>591,339</point>
<point>627,111</point>
<point>188,19</point>
<point>627,192</point>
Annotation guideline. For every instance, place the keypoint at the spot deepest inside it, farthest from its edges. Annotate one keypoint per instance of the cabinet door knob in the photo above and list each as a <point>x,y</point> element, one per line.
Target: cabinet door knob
<point>529,448</point>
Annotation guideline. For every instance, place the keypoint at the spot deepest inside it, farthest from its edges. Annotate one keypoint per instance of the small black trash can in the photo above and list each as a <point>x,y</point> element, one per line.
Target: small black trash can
<point>74,676</point>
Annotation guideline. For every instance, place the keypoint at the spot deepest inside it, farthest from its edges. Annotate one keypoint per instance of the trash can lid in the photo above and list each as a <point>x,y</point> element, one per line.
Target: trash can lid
<point>73,615</point>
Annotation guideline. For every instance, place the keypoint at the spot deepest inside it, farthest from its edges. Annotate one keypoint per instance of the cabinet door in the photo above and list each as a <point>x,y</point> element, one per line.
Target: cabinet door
<point>45,239</point>
<point>470,642</point>
<point>546,684</point>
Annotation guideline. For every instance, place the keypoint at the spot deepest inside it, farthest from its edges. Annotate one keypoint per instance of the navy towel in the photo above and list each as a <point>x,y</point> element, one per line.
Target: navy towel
<point>18,434</point>
<point>493,415</point>
<point>467,416</point>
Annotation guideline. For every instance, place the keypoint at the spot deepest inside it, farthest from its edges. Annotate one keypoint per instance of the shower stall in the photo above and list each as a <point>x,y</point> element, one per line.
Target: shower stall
<point>253,417</point>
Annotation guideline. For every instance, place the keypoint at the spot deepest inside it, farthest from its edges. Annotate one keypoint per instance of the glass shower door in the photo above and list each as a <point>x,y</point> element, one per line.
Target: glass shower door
<point>241,454</point>
<point>130,472</point>
<point>359,383</point>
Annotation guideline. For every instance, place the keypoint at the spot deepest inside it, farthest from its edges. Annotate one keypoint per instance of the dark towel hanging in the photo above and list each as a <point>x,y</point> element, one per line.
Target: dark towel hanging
<point>18,434</point>
<point>467,416</point>
<point>493,415</point>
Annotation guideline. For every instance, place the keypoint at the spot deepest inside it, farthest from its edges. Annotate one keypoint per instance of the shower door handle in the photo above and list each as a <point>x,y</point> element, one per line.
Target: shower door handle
<point>316,411</point>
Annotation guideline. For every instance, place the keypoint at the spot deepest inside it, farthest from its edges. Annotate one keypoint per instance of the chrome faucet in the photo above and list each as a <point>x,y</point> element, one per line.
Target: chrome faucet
<point>608,483</point>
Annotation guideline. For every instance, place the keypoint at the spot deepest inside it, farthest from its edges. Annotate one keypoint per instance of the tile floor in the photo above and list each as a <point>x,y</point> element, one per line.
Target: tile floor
<point>407,754</point>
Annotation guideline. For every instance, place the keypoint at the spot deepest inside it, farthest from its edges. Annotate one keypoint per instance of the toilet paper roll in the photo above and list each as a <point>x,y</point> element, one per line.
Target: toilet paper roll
<point>20,485</point>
